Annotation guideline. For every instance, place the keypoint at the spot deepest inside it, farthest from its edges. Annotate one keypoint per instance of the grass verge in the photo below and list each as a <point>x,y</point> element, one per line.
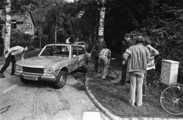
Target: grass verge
<point>115,97</point>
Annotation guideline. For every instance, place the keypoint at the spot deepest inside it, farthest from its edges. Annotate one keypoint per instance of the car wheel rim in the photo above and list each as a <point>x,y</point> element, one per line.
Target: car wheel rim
<point>61,79</point>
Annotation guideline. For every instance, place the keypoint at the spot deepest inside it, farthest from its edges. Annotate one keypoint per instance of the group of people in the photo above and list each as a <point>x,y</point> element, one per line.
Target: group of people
<point>137,53</point>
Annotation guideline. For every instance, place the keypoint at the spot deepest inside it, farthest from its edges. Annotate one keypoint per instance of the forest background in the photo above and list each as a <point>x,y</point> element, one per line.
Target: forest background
<point>161,20</point>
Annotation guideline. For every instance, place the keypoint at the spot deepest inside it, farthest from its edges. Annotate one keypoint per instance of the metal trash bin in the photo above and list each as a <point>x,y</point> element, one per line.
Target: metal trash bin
<point>169,72</point>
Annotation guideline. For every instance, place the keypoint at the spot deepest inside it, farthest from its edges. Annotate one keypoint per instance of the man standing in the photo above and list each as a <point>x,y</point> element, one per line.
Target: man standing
<point>100,45</point>
<point>137,56</point>
<point>10,57</point>
<point>104,57</point>
<point>126,44</point>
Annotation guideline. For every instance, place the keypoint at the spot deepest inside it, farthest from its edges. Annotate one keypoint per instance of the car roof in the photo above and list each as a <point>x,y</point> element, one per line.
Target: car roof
<point>62,44</point>
<point>59,44</point>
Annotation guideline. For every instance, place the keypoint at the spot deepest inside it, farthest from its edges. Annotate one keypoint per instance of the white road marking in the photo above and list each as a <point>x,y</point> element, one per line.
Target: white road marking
<point>91,116</point>
<point>9,88</point>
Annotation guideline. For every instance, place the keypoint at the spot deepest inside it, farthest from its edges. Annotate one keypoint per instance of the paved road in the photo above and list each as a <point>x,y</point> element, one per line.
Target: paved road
<point>40,101</point>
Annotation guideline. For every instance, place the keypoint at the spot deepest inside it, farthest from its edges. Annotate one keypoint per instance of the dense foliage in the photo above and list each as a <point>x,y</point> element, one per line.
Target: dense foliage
<point>161,20</point>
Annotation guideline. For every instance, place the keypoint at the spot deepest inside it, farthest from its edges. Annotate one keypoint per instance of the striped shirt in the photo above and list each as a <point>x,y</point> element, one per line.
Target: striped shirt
<point>105,52</point>
<point>16,50</point>
<point>137,56</point>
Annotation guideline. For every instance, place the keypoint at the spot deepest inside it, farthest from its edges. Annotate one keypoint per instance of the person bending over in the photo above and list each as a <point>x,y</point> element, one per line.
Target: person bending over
<point>10,57</point>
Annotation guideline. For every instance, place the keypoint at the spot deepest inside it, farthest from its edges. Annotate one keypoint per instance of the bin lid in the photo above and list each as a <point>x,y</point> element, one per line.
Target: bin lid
<point>170,61</point>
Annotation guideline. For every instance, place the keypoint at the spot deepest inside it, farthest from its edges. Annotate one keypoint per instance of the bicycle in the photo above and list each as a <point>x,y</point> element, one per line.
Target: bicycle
<point>171,99</point>
<point>111,72</point>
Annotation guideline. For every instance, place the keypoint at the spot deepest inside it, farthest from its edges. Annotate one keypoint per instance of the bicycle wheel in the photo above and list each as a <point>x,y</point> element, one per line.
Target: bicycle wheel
<point>111,73</point>
<point>171,99</point>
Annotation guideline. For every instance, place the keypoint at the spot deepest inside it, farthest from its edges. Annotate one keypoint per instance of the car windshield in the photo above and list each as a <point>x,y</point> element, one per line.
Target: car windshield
<point>62,51</point>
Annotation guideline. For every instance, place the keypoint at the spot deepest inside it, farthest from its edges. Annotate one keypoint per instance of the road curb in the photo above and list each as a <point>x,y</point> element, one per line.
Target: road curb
<point>98,104</point>
<point>111,115</point>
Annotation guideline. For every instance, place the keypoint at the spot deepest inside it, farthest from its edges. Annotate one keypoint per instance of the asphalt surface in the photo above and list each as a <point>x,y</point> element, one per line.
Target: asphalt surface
<point>42,102</point>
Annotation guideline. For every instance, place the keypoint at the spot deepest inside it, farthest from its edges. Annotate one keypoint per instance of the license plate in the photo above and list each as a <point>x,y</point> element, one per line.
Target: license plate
<point>31,77</point>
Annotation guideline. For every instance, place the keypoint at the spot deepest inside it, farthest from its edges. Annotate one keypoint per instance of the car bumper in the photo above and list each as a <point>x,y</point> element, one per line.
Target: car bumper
<point>36,77</point>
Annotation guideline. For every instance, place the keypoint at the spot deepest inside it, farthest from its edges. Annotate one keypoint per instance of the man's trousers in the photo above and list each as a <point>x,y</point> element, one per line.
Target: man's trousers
<point>9,59</point>
<point>136,82</point>
<point>104,64</point>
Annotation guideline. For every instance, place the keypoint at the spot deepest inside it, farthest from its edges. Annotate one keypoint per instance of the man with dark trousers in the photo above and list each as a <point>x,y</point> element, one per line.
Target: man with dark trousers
<point>10,57</point>
<point>126,44</point>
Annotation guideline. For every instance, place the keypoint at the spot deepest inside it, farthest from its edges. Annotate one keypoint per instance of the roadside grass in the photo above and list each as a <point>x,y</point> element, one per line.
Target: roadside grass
<point>115,97</point>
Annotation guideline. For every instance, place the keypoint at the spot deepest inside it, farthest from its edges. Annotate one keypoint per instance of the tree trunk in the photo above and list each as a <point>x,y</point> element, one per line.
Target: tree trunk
<point>7,26</point>
<point>101,22</point>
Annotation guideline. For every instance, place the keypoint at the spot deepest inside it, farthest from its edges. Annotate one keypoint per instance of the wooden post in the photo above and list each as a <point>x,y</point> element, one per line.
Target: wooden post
<point>7,33</point>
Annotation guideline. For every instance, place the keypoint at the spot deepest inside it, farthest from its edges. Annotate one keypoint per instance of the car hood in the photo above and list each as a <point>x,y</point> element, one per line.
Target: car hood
<point>41,61</point>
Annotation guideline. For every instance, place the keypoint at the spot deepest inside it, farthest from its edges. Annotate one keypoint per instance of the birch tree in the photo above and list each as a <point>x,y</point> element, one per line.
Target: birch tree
<point>7,26</point>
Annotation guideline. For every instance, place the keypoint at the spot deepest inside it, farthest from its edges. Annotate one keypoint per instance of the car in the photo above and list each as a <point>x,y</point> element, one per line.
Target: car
<point>81,43</point>
<point>54,63</point>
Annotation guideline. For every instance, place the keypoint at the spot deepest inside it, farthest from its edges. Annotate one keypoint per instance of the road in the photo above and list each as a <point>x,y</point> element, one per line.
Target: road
<point>40,101</point>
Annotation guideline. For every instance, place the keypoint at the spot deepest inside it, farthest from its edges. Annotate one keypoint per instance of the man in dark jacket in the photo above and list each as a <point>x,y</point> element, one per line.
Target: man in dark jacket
<point>100,45</point>
<point>126,44</point>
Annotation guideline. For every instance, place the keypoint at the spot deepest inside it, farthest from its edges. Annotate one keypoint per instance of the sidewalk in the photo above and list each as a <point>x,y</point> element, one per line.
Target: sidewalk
<point>107,112</point>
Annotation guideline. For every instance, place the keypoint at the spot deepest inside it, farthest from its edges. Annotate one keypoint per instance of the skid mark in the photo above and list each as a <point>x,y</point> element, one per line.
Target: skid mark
<point>4,109</point>
<point>38,107</point>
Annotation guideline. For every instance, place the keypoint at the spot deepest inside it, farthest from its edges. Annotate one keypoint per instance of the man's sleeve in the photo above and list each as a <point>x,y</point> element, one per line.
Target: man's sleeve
<point>104,44</point>
<point>109,53</point>
<point>148,55</point>
<point>126,54</point>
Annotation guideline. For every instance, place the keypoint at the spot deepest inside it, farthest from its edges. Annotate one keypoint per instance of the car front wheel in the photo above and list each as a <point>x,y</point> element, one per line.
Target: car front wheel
<point>61,79</point>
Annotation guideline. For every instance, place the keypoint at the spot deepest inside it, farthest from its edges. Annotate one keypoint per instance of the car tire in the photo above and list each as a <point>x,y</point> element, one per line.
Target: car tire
<point>24,80</point>
<point>61,79</point>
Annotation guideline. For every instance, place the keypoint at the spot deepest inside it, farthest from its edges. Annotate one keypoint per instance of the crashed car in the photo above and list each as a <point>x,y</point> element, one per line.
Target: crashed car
<point>53,63</point>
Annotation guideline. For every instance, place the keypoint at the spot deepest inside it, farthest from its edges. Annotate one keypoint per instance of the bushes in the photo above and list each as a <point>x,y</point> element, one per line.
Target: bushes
<point>19,38</point>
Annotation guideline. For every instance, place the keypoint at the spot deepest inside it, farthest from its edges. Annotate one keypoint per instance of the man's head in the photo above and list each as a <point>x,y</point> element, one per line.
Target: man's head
<point>139,39</point>
<point>127,37</point>
<point>101,38</point>
<point>25,48</point>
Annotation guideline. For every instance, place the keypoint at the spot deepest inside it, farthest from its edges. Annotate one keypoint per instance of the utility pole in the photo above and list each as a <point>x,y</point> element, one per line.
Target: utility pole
<point>7,32</point>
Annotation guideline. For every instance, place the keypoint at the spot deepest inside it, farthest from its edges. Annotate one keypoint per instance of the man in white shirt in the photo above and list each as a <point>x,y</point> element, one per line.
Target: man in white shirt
<point>10,57</point>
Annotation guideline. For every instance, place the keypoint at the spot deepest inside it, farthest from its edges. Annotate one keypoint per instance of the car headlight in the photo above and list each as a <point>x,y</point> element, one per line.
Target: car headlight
<point>18,68</point>
<point>49,70</point>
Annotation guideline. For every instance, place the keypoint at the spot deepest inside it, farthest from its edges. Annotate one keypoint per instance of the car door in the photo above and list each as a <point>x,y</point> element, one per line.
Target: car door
<point>74,57</point>
<point>82,56</point>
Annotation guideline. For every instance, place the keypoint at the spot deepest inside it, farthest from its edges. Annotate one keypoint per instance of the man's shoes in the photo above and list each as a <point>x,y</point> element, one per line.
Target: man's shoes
<point>2,75</point>
<point>144,95</point>
<point>103,78</point>
<point>138,105</point>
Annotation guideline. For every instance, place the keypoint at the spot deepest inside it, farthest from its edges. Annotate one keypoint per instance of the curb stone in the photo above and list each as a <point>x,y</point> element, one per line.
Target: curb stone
<point>98,104</point>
